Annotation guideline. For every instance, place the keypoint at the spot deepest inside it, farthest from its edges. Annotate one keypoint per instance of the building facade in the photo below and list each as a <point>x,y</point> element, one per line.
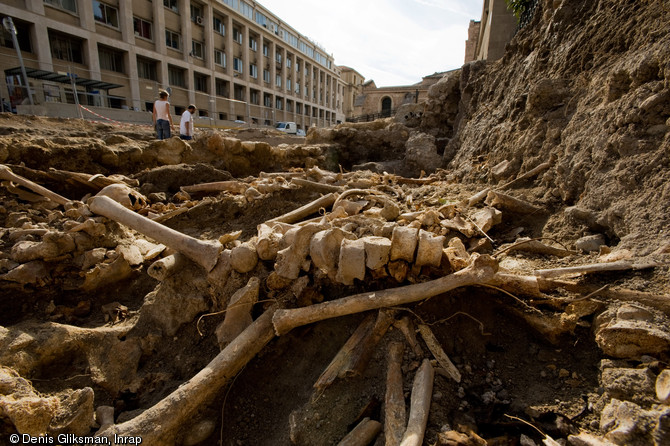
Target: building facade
<point>372,102</point>
<point>487,38</point>
<point>232,59</point>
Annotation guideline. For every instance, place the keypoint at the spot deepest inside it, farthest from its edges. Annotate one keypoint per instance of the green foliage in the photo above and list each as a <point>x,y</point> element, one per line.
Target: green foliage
<point>518,7</point>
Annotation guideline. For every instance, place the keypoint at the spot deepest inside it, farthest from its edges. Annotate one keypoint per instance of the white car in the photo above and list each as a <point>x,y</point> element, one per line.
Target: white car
<point>300,132</point>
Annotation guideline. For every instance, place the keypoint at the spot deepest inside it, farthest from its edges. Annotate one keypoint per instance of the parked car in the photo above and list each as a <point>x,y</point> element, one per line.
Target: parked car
<point>287,127</point>
<point>300,132</point>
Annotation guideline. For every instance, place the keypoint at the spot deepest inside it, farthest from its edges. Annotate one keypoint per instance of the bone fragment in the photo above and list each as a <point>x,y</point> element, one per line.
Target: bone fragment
<point>313,185</point>
<point>34,272</point>
<point>7,174</point>
<point>403,243</point>
<point>351,264</point>
<point>537,247</point>
<point>394,401</point>
<point>406,326</point>
<point>170,215</point>
<point>324,249</point>
<point>290,260</point>
<point>363,434</point>
<point>436,349</point>
<point>507,202</point>
<point>479,196</point>
<point>269,239</point>
<point>457,223</point>
<point>486,218</point>
<point>663,387</point>
<point>163,268</point>
<point>308,209</point>
<point>104,416</point>
<point>355,354</point>
<point>429,251</point>
<point>457,254</point>
<point>340,366</point>
<point>422,392</point>
<point>659,301</point>
<point>243,258</point>
<point>204,253</point>
<point>124,195</point>
<point>238,313</point>
<point>398,269</point>
<point>237,187</point>
<point>377,252</point>
<point>621,265</point>
<point>176,410</point>
<point>481,270</point>
<point>531,173</point>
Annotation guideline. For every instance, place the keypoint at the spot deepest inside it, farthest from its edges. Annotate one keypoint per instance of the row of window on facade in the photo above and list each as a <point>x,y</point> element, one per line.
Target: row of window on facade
<point>109,15</point>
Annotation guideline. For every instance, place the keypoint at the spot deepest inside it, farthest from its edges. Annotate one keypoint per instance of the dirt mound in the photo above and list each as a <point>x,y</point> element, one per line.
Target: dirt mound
<point>586,86</point>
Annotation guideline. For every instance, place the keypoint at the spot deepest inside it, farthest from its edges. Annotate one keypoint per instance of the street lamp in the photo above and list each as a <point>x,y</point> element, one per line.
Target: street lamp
<point>8,23</point>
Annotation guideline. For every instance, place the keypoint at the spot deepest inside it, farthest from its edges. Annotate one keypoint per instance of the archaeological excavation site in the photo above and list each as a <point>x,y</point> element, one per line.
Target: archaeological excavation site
<point>489,267</point>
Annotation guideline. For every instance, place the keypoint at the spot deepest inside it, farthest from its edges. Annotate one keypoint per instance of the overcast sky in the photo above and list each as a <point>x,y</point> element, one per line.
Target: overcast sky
<point>393,42</point>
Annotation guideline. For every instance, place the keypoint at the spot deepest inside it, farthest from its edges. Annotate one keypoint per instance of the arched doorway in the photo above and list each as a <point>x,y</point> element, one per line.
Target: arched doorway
<point>387,105</point>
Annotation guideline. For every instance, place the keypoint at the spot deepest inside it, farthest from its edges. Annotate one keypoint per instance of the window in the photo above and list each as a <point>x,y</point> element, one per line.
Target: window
<point>237,64</point>
<point>237,36</point>
<point>246,9</point>
<point>196,13</point>
<point>176,76</point>
<point>219,27</point>
<point>261,19</point>
<point>278,57</point>
<point>172,4</point>
<point>289,106</point>
<point>239,92</point>
<point>22,35</point>
<point>278,80</point>
<point>298,108</point>
<point>297,87</point>
<point>279,104</point>
<point>291,39</point>
<point>68,5</point>
<point>105,14</point>
<point>288,84</point>
<point>266,50</point>
<point>200,82</point>
<point>67,48</point>
<point>220,58</point>
<point>142,28</point>
<point>267,100</point>
<point>254,97</point>
<point>146,69</point>
<point>297,67</point>
<point>266,76</point>
<point>253,44</point>
<point>197,49</point>
<point>221,88</point>
<point>110,59</point>
<point>288,63</point>
<point>172,39</point>
<point>253,71</point>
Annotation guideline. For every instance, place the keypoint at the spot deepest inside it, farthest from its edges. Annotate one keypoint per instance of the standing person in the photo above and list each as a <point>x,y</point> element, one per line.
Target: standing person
<point>186,124</point>
<point>161,115</point>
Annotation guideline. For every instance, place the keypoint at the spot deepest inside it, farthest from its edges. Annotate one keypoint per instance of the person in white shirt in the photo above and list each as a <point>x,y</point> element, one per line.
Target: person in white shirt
<point>161,115</point>
<point>186,124</point>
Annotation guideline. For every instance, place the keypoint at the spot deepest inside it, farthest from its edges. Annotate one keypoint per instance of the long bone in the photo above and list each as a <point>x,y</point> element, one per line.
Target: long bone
<point>7,174</point>
<point>204,252</point>
<point>481,270</point>
<point>162,422</point>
